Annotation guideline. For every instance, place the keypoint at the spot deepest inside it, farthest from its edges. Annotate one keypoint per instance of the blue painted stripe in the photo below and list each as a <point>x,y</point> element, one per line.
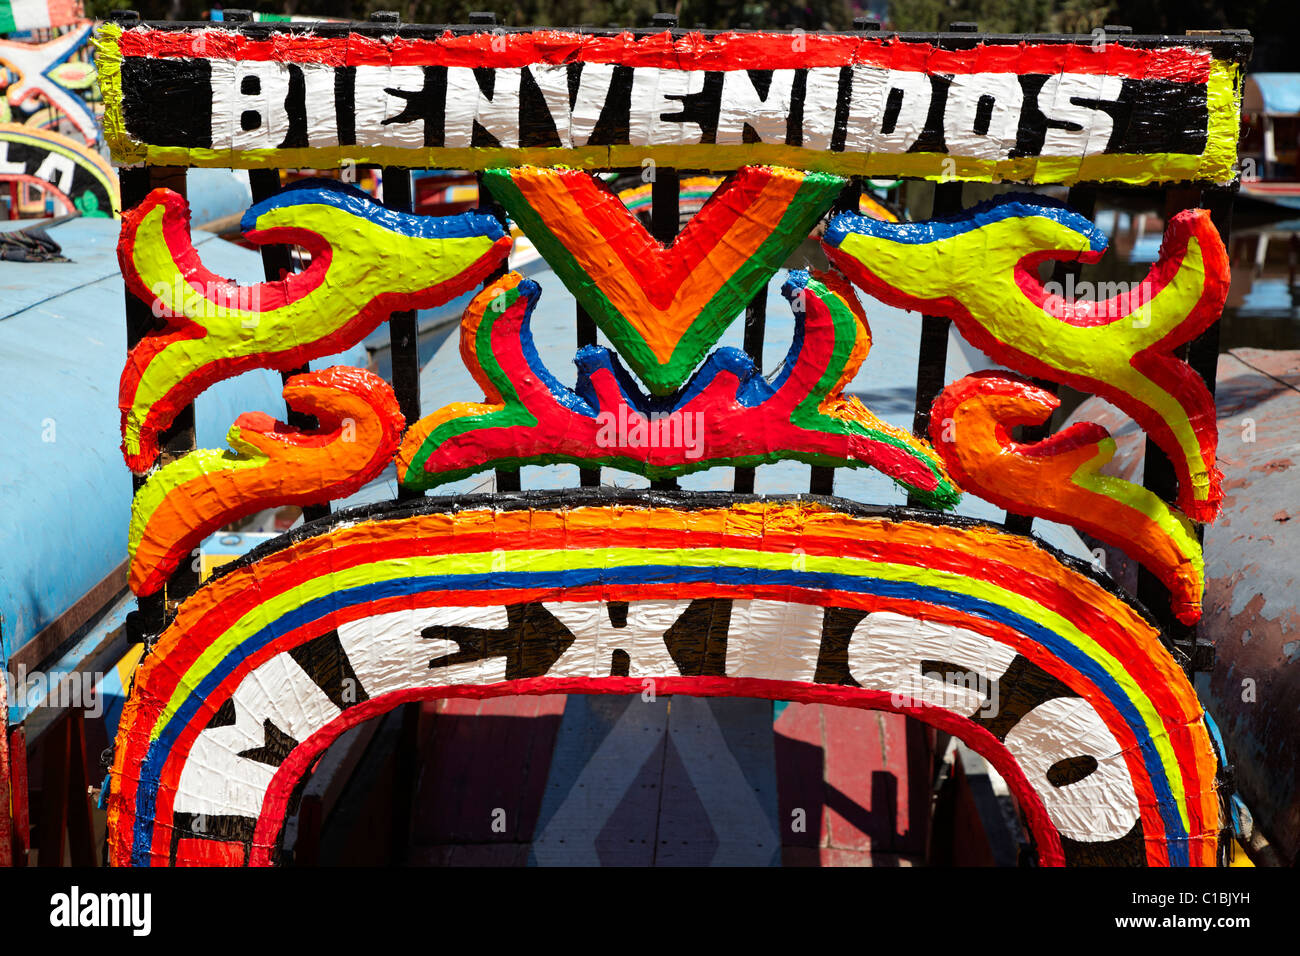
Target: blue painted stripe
<point>349,199</point>
<point>1010,206</point>
<point>530,291</point>
<point>151,766</point>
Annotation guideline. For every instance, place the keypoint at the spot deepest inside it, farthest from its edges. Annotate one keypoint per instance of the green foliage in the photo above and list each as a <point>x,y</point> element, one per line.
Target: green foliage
<point>100,9</point>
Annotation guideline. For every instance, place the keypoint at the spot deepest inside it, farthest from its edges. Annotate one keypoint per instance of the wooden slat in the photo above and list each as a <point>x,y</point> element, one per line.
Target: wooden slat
<point>481,756</point>
<point>19,790</point>
<point>50,639</point>
<point>6,785</point>
<point>65,805</point>
<point>862,781</point>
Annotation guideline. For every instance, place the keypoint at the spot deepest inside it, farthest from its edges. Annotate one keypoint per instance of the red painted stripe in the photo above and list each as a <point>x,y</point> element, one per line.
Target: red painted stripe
<point>734,51</point>
<point>194,851</point>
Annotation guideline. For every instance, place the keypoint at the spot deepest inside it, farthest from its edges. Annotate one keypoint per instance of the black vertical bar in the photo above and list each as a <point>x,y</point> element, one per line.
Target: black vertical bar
<point>507,479</point>
<point>1204,358</point>
<point>406,779</point>
<point>822,478</point>
<point>665,217</point>
<point>1158,477</point>
<point>133,182</point>
<point>178,440</point>
<point>1204,352</point>
<point>403,333</point>
<point>665,204</point>
<point>277,262</point>
<point>933,361</point>
<point>587,477</point>
<point>1083,200</point>
<point>1203,355</point>
<point>755,329</point>
<point>755,332</point>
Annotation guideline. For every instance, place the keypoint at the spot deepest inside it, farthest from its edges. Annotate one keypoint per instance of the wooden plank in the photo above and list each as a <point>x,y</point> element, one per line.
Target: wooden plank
<point>960,838</point>
<point>48,641</point>
<point>912,825</point>
<point>861,794</point>
<point>862,780</point>
<point>81,830</point>
<point>6,787</point>
<point>22,828</point>
<point>54,790</point>
<point>801,772</point>
<point>719,804</point>
<point>481,756</point>
<point>601,805</point>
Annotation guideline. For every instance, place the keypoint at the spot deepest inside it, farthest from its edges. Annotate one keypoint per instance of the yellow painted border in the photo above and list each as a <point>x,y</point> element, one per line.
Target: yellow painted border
<point>1218,164</point>
<point>108,61</point>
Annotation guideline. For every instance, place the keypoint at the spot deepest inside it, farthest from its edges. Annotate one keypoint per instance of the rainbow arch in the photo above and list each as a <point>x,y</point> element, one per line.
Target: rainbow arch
<point>366,582</point>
